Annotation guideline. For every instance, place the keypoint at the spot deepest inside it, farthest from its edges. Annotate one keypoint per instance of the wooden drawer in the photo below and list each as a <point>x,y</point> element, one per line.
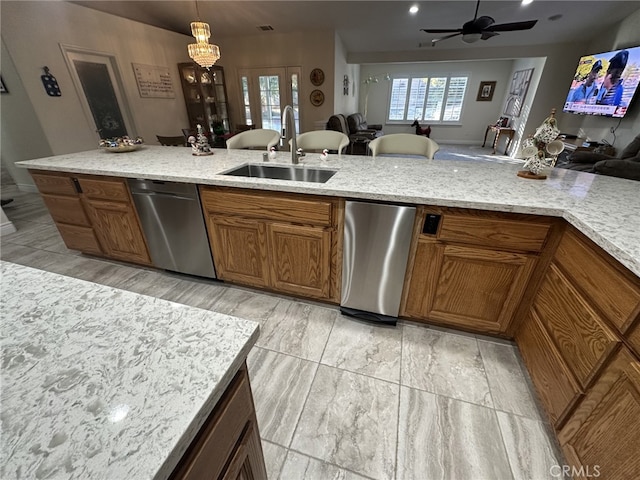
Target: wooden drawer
<point>217,439</point>
<point>57,184</point>
<point>114,190</point>
<point>290,208</point>
<point>78,238</point>
<point>584,340</point>
<point>487,230</point>
<point>613,290</point>
<point>66,209</point>
<point>556,387</point>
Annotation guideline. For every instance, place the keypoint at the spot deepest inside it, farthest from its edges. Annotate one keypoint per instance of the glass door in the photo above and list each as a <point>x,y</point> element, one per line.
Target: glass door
<point>265,92</point>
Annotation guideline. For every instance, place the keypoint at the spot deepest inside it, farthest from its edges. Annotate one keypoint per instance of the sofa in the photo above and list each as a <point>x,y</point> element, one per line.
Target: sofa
<point>626,165</point>
<point>356,128</point>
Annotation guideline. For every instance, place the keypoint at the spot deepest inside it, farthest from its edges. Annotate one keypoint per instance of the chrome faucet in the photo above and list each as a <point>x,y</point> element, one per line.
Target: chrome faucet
<point>296,152</point>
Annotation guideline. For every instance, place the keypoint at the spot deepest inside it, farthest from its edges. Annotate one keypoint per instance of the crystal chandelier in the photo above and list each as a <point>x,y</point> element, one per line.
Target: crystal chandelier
<point>202,52</point>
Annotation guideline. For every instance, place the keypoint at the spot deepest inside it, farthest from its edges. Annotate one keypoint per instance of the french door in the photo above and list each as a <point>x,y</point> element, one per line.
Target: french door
<point>97,81</point>
<point>266,91</point>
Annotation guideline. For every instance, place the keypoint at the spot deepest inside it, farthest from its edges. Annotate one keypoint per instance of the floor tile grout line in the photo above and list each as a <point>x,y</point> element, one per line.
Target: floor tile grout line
<point>504,445</point>
<point>395,470</point>
<point>328,463</point>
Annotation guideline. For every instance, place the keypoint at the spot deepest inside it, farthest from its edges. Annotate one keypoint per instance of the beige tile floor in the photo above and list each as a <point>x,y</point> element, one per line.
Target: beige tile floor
<point>337,398</point>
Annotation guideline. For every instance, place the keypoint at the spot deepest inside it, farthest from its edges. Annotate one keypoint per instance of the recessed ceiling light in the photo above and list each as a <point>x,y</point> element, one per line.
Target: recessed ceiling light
<point>414,9</point>
<point>526,2</point>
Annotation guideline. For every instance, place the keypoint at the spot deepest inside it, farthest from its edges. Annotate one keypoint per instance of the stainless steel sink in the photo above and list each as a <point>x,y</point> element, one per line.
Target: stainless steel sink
<point>279,172</point>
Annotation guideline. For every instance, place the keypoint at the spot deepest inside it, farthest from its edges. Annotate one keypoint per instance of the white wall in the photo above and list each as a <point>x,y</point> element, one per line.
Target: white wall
<point>345,104</point>
<point>475,116</point>
<point>33,32</point>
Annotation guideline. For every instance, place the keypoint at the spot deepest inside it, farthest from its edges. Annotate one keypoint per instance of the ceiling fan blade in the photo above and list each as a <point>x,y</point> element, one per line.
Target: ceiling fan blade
<point>435,40</point>
<point>441,30</point>
<point>486,35</point>
<point>511,27</point>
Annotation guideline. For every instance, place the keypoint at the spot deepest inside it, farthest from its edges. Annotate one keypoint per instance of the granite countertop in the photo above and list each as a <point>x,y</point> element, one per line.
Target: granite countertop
<point>604,208</point>
<point>102,383</point>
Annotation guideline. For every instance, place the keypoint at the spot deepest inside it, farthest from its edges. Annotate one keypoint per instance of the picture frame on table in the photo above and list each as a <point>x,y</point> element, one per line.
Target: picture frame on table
<point>485,91</point>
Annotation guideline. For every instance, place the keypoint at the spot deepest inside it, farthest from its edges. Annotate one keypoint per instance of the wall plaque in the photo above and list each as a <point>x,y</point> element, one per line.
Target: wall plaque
<point>153,81</point>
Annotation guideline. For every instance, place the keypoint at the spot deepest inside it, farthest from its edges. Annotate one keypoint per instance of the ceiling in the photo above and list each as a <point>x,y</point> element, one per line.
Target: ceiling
<point>379,26</point>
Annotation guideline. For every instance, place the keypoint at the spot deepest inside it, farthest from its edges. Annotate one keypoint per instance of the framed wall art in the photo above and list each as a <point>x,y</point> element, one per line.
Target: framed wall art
<point>518,92</point>
<point>485,92</point>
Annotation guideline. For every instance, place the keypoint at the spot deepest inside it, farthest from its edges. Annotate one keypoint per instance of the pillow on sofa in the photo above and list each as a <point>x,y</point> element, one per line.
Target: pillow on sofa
<point>631,150</point>
<point>619,168</point>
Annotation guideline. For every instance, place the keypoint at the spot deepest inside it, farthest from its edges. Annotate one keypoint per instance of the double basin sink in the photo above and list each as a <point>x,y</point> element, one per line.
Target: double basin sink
<point>280,172</point>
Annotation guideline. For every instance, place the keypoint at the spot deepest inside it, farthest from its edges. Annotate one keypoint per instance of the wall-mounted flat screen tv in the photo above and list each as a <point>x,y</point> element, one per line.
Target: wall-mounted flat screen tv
<point>604,83</point>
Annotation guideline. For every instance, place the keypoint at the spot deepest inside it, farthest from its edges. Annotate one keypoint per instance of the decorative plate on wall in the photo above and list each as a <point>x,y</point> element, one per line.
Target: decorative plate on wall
<point>317,98</point>
<point>317,77</point>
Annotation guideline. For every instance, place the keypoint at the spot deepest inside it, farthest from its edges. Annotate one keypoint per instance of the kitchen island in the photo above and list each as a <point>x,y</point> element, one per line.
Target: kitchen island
<point>102,383</point>
<point>603,208</point>
<point>553,264</point>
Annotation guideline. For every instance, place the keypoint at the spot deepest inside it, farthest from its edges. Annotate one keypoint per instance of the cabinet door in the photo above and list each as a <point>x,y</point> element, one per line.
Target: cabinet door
<point>117,227</point>
<point>582,337</point>
<point>604,433</point>
<point>239,249</point>
<point>300,259</point>
<point>247,462</point>
<point>467,286</point>
<point>557,389</point>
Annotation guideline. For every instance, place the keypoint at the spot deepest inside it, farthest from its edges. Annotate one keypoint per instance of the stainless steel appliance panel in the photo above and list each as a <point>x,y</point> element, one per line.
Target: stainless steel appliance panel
<point>173,223</point>
<point>376,244</point>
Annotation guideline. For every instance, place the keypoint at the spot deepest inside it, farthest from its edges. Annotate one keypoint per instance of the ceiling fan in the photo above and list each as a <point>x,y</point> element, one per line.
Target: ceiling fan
<point>480,28</point>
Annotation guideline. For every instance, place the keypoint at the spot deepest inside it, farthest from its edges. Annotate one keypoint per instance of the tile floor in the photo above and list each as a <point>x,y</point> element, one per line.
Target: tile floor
<point>337,398</point>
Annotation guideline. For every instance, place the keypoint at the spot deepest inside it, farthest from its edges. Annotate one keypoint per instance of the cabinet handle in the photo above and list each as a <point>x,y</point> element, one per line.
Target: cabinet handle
<point>431,223</point>
<point>76,183</point>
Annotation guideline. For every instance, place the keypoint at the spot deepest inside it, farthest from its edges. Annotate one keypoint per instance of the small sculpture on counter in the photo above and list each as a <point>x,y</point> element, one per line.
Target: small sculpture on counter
<point>324,156</point>
<point>272,153</point>
<point>200,146</point>
<point>536,146</point>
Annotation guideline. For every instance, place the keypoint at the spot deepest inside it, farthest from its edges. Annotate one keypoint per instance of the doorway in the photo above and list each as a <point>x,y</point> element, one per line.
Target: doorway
<point>97,80</point>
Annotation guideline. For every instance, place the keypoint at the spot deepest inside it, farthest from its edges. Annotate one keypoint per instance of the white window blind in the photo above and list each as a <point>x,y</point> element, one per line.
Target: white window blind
<point>435,99</point>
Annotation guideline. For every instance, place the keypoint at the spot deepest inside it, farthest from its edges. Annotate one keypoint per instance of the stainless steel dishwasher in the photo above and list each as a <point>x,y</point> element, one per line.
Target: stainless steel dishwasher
<point>376,245</point>
<point>173,223</point>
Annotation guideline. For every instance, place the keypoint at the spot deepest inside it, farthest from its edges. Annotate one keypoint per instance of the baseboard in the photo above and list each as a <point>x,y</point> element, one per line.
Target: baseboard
<point>7,228</point>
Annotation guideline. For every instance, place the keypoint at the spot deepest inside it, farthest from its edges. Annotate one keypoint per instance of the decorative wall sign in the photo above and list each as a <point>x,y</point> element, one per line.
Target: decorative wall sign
<point>153,81</point>
<point>50,83</point>
<point>317,77</point>
<point>485,92</point>
<point>3,89</point>
<point>517,92</point>
<point>317,98</point>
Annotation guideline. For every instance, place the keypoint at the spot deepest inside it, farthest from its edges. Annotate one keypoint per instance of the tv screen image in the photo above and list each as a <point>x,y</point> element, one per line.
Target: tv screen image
<point>604,83</point>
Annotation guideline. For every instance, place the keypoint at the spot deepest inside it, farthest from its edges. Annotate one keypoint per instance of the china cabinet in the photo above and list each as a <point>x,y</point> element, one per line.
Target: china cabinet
<point>205,95</point>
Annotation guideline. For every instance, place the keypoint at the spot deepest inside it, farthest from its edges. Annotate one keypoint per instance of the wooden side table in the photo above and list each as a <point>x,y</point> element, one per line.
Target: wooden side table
<point>508,132</point>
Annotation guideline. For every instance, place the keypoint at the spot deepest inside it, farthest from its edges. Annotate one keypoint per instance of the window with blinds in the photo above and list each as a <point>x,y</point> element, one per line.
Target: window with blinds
<point>433,99</point>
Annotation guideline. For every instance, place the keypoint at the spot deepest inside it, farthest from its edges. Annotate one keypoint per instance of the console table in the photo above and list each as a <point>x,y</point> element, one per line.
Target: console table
<point>499,131</point>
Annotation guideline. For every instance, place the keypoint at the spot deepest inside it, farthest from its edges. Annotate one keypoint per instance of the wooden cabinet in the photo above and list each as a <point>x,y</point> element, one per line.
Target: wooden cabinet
<point>283,242</point>
<point>61,194</point>
<point>94,215</point>
<point>575,343</point>
<point>473,270</point>
<point>205,96</point>
<point>603,433</point>
<point>228,445</point>
<point>114,218</point>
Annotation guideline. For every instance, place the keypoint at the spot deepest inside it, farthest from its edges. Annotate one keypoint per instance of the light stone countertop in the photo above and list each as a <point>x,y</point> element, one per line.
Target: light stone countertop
<point>100,383</point>
<point>604,208</point>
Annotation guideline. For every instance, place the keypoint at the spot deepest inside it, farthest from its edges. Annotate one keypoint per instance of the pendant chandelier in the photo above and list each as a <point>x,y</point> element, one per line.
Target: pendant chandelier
<point>202,52</point>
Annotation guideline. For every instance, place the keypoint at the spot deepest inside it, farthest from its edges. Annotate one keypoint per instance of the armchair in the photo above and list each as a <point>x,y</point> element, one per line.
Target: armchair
<point>627,165</point>
<point>356,128</point>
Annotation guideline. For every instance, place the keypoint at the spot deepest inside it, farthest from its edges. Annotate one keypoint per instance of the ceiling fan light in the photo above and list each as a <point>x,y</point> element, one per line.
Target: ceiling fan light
<point>471,37</point>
